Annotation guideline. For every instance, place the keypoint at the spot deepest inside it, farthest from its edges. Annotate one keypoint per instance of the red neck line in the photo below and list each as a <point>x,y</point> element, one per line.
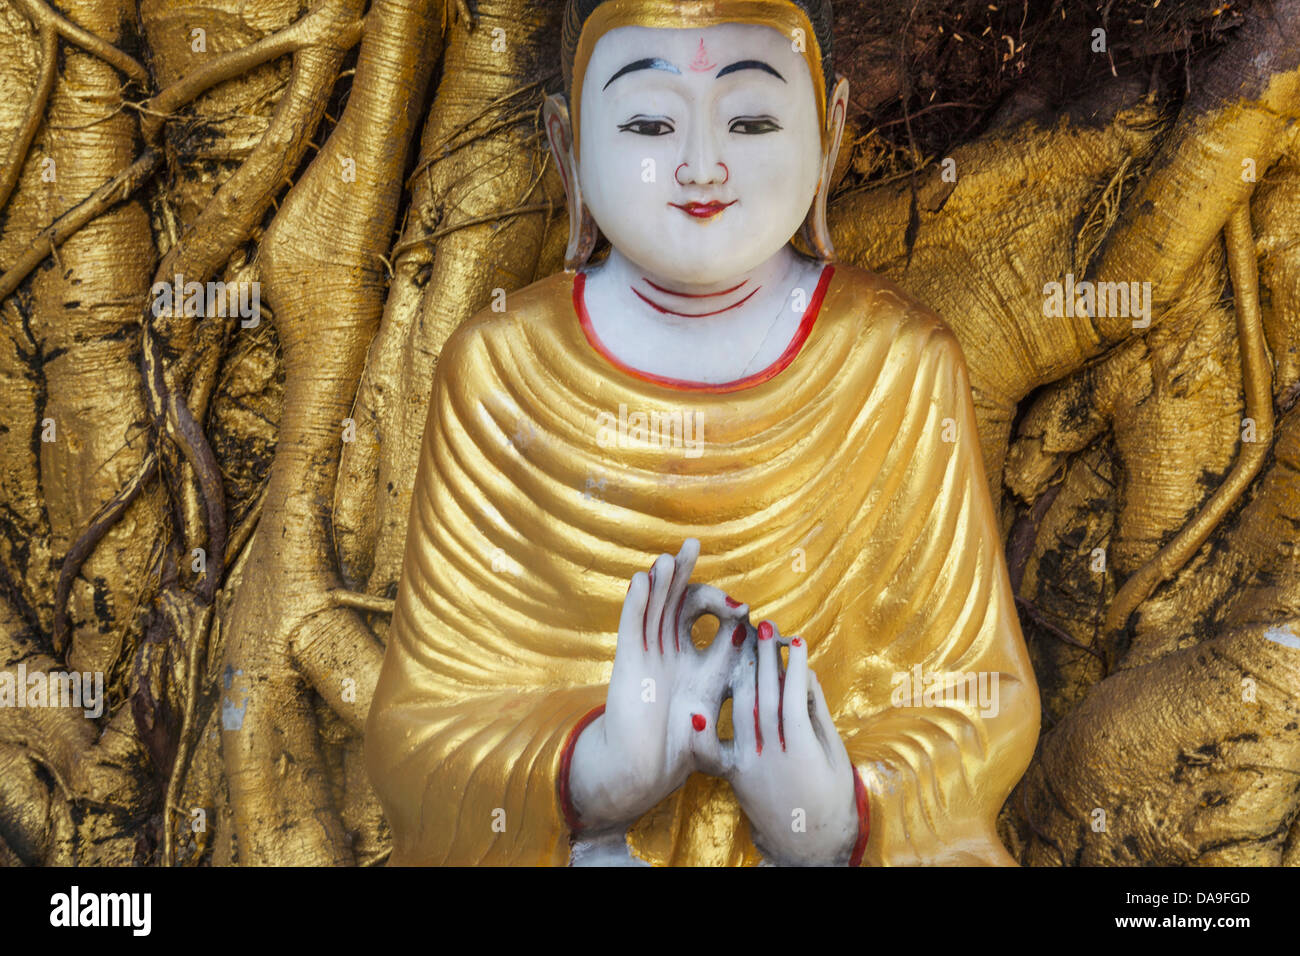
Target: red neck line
<point>692,315</point>
<point>690,295</point>
<point>749,381</point>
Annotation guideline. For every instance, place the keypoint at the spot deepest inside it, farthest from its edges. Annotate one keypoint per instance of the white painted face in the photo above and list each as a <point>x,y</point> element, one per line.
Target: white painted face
<point>700,149</point>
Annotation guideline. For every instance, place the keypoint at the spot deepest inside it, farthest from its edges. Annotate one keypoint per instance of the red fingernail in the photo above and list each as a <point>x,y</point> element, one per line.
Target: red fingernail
<point>796,642</point>
<point>698,721</point>
<point>738,635</point>
<point>765,631</point>
<point>732,602</point>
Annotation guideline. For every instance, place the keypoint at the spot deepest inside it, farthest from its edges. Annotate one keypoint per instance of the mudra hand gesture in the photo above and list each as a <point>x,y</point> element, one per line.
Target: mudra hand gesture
<point>663,693</point>
<point>787,765</point>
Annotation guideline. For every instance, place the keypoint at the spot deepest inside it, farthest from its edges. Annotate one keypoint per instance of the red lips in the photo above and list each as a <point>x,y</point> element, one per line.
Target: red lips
<point>703,210</point>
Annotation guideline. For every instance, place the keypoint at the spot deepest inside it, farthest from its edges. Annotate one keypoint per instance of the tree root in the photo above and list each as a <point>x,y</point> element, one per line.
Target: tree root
<point>81,548</point>
<point>1196,757</point>
<point>41,15</point>
<point>477,183</point>
<point>116,190</point>
<point>224,223</point>
<point>1245,101</point>
<point>319,268</point>
<point>1257,378</point>
<point>186,433</point>
<point>13,165</point>
<point>362,602</point>
<point>319,27</point>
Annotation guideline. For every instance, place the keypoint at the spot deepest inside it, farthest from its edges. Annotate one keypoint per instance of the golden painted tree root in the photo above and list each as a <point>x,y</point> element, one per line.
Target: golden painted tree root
<point>962,264</point>
<point>182,423</point>
<point>320,40</point>
<point>114,191</point>
<point>13,164</point>
<point>211,239</point>
<point>1257,377</point>
<point>1196,765</point>
<point>481,159</point>
<point>45,17</point>
<point>329,22</point>
<point>100,245</point>
<point>322,272</point>
<point>1234,122</point>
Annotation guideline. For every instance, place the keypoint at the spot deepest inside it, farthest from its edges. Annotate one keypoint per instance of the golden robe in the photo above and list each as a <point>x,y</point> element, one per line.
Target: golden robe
<point>842,495</point>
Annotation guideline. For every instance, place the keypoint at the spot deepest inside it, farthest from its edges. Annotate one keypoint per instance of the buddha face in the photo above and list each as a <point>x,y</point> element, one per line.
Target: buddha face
<point>700,149</point>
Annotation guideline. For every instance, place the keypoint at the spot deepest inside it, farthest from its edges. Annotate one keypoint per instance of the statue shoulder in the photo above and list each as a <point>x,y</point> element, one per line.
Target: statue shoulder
<point>872,301</point>
<point>500,323</point>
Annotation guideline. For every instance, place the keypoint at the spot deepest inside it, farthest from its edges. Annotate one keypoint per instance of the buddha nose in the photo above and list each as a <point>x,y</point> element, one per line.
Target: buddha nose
<point>701,164</point>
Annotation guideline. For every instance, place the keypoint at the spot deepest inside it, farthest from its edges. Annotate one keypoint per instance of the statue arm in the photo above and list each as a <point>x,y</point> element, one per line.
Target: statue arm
<point>482,684</point>
<point>472,778</point>
<point>937,774</point>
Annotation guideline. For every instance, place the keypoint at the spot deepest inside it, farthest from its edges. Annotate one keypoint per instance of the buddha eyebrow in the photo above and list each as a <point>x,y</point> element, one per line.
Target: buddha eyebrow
<point>748,65</point>
<point>651,63</point>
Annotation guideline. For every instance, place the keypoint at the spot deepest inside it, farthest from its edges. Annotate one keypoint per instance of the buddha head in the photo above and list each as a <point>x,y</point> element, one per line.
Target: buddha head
<point>698,136</point>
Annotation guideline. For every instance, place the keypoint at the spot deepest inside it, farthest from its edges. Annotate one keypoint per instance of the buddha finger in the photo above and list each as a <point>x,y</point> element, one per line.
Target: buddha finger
<point>733,623</point>
<point>769,686</point>
<point>631,625</point>
<point>795,719</point>
<point>744,706</point>
<point>682,568</point>
<point>702,599</point>
<point>713,756</point>
<point>726,646</point>
<point>661,578</point>
<point>823,725</point>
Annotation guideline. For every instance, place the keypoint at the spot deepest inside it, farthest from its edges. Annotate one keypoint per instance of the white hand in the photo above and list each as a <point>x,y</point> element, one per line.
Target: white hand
<point>663,693</point>
<point>787,763</point>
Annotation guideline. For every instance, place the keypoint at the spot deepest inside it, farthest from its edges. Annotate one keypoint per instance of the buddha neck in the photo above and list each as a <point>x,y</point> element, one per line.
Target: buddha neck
<point>710,333</point>
<point>703,301</point>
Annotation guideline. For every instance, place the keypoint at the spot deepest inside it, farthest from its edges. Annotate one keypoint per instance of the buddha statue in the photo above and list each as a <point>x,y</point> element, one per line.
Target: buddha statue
<point>670,489</point>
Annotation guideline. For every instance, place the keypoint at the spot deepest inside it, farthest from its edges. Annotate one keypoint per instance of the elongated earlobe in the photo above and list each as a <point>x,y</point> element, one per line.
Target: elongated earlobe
<point>815,230</point>
<point>582,227</point>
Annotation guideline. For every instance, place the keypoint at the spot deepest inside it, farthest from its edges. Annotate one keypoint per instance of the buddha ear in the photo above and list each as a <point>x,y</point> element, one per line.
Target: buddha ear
<point>582,227</point>
<point>816,232</point>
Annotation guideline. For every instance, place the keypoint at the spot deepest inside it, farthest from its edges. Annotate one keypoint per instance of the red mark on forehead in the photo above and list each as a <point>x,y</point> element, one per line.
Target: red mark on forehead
<point>702,63</point>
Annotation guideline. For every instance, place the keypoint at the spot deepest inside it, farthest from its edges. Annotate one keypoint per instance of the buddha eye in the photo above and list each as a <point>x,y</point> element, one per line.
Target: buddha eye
<point>645,126</point>
<point>754,125</point>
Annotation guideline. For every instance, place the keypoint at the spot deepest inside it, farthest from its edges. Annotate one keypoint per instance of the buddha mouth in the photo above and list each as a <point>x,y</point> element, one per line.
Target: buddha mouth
<point>703,210</point>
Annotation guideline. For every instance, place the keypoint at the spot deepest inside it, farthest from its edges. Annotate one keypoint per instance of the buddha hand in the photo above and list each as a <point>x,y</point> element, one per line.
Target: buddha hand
<point>663,693</point>
<point>788,766</point>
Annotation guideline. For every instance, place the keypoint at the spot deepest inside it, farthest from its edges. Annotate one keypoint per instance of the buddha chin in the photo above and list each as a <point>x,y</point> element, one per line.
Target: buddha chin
<point>708,427</point>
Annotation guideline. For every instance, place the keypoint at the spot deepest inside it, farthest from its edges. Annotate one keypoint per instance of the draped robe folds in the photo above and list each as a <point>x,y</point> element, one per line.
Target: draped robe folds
<point>843,498</point>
